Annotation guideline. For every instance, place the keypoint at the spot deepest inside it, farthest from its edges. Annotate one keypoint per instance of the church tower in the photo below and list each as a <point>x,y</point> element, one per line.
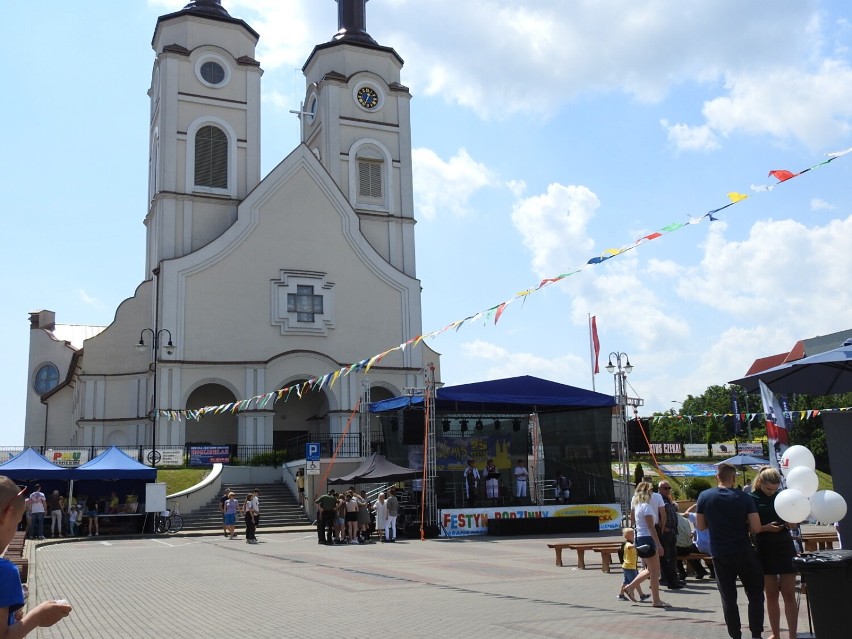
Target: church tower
<point>204,146</point>
<point>356,121</point>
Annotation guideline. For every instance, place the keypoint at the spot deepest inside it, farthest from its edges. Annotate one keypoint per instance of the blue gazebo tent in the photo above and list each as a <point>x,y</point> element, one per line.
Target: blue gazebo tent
<point>114,464</point>
<point>30,466</point>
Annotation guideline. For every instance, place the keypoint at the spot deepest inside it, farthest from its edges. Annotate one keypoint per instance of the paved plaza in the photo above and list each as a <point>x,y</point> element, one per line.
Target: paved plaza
<point>289,586</point>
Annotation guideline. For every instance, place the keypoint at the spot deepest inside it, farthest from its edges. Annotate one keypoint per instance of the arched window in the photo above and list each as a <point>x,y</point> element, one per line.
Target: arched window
<point>370,174</point>
<point>211,158</point>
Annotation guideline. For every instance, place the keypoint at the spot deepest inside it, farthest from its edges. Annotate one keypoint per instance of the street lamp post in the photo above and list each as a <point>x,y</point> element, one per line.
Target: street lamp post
<point>156,335</point>
<point>619,366</point>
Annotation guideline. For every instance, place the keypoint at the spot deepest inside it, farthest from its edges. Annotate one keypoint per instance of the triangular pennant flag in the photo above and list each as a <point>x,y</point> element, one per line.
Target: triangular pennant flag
<point>737,197</point>
<point>782,175</point>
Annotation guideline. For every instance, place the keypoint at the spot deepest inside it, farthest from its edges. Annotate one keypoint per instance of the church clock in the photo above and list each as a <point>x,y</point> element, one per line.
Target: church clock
<point>367,97</point>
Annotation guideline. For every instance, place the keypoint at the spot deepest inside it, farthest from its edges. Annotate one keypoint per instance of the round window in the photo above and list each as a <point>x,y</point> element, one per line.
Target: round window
<point>213,72</point>
<point>46,379</point>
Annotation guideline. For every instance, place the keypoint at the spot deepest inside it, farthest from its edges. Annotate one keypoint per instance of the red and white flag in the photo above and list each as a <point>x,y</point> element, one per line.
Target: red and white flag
<point>596,345</point>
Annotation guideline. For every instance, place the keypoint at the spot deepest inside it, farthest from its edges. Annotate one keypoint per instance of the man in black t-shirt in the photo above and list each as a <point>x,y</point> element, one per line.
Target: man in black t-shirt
<point>730,515</point>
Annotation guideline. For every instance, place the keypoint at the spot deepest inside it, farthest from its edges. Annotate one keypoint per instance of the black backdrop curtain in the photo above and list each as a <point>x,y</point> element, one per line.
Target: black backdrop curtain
<point>578,443</point>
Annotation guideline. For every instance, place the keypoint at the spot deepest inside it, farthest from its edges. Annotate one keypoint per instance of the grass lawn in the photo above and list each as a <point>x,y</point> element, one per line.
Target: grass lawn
<point>181,478</point>
<point>825,482</point>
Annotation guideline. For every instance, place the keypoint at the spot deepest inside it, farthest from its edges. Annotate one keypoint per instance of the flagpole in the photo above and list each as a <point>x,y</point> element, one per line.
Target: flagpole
<point>591,351</point>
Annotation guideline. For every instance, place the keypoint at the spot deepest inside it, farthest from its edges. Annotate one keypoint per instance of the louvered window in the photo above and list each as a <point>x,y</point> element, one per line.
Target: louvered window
<point>369,179</point>
<point>211,158</point>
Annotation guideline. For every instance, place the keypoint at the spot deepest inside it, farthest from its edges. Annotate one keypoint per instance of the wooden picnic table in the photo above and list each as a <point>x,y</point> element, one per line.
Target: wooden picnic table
<point>813,541</point>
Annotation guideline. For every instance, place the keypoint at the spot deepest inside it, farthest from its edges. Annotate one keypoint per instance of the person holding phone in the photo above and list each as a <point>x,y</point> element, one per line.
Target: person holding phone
<point>775,550</point>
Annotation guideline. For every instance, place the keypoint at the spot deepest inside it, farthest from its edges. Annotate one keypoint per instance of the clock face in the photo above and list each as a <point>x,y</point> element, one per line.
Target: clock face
<point>367,98</point>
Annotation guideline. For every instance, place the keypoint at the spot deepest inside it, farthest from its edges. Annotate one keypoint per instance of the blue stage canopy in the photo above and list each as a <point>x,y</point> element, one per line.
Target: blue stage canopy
<point>521,394</point>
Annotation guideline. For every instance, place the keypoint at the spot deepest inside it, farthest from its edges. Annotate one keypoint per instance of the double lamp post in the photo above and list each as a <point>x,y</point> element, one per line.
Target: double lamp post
<point>141,346</point>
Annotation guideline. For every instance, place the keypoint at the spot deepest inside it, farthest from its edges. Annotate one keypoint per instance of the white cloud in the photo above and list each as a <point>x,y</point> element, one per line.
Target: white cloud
<point>446,186</point>
<point>786,272</point>
<point>690,138</point>
<point>553,226</point>
<point>500,57</point>
<point>567,369</point>
<point>87,299</point>
<point>814,108</point>
<point>821,205</point>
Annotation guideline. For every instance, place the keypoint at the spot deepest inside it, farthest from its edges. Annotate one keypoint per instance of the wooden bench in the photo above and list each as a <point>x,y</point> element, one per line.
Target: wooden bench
<point>15,554</point>
<point>695,555</point>
<point>605,551</point>
<point>581,548</point>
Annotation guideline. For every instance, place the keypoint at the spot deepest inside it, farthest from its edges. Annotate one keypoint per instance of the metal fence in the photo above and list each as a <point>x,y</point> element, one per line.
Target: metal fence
<point>195,454</point>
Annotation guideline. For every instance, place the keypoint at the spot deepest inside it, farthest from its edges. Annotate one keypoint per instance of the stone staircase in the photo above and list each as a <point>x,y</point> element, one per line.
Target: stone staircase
<point>278,508</point>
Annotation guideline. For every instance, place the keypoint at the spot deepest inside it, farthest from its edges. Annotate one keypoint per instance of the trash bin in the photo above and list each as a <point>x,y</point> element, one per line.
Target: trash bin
<point>828,575</point>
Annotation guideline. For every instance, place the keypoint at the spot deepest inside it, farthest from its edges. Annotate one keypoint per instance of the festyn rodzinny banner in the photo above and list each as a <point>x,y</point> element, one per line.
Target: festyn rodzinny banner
<point>461,522</point>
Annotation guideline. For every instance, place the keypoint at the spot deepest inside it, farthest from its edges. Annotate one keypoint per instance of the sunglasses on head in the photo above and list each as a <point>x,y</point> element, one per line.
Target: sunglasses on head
<point>22,490</point>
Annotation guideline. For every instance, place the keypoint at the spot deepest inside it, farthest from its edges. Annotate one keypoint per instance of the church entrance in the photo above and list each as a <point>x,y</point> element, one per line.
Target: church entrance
<point>211,429</point>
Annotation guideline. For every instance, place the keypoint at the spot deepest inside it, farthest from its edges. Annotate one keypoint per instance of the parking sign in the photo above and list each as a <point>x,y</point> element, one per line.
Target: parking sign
<point>312,452</point>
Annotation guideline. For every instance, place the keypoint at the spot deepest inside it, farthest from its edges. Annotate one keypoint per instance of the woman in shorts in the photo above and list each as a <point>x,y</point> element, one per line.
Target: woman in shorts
<point>232,508</point>
<point>775,550</point>
<point>648,545</point>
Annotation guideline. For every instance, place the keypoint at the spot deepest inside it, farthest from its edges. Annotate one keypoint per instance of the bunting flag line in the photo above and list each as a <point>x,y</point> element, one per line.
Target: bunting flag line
<point>802,415</point>
<point>496,311</point>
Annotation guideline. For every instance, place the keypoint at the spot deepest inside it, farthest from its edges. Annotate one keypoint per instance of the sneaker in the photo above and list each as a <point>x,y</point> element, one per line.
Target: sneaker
<point>622,597</point>
<point>353,542</point>
<point>644,597</point>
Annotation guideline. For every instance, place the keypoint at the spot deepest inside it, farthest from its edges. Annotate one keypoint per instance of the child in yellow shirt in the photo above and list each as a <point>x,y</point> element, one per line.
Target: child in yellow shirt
<point>630,567</point>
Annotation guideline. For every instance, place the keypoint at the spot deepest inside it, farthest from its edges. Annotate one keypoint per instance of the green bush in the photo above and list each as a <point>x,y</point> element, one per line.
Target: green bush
<point>269,459</point>
<point>638,474</point>
<point>694,486</point>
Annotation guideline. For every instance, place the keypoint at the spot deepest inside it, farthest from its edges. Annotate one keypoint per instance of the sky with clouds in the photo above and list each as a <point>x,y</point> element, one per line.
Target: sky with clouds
<point>544,134</point>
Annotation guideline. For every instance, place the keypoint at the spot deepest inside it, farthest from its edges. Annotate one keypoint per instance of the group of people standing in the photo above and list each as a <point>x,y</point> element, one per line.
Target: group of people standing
<point>348,517</point>
<point>471,478</point>
<point>249,510</point>
<point>741,531</point>
<point>54,515</point>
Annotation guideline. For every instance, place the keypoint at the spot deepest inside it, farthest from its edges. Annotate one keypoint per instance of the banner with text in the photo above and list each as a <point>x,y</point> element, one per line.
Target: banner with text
<point>461,522</point>
<point>67,458</point>
<point>208,455</point>
<point>168,456</point>
<point>755,449</point>
<point>723,450</point>
<point>663,448</point>
<point>695,450</point>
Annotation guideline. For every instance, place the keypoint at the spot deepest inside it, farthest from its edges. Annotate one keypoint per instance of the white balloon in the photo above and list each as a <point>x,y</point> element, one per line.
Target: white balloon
<point>827,506</point>
<point>803,479</point>
<point>792,506</point>
<point>796,456</point>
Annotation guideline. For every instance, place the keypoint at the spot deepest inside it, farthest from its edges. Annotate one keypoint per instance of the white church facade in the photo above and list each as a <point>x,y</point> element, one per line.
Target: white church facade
<point>251,285</point>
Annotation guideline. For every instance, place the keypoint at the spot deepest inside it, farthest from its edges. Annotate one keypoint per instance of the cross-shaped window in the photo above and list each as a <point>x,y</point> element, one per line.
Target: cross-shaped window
<point>304,303</point>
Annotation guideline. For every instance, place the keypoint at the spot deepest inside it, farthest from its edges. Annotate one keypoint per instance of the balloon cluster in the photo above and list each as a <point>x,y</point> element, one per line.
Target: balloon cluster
<point>801,499</point>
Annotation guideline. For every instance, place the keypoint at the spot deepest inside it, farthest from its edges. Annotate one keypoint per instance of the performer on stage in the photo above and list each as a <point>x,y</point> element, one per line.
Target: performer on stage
<point>492,480</point>
<point>563,488</point>
<point>471,482</point>
<point>521,476</point>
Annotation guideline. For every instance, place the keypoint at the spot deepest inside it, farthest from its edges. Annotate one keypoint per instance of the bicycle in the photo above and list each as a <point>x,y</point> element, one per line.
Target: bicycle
<point>169,520</point>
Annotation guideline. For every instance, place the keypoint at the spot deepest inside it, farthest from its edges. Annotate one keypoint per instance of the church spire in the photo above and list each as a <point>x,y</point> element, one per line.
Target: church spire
<point>211,7</point>
<point>352,22</point>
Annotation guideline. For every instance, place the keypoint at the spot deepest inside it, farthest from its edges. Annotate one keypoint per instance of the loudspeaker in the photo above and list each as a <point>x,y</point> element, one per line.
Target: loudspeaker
<point>413,426</point>
<point>635,439</point>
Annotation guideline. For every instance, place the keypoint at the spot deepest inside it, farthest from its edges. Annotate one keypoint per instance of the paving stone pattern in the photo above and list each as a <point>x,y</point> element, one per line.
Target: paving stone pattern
<point>289,586</point>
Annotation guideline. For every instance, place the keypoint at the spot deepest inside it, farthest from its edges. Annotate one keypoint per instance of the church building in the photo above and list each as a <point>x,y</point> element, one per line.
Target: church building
<point>252,284</point>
